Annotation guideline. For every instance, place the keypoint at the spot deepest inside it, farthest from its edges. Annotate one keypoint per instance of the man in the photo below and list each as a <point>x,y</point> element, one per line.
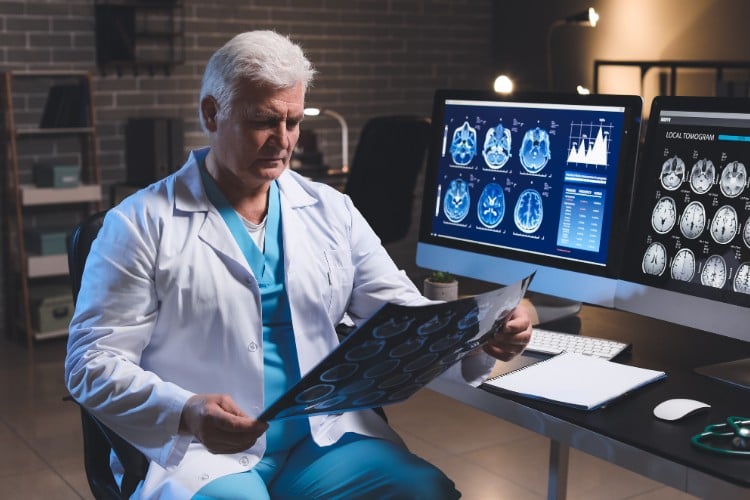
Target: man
<point>207,294</point>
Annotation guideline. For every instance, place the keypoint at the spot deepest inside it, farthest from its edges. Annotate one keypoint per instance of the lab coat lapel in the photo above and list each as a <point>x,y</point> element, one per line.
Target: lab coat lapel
<point>293,197</point>
<point>190,196</point>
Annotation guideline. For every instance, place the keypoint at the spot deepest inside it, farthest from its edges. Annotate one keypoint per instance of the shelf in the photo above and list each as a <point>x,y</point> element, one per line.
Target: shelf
<point>41,266</point>
<point>26,206</point>
<point>31,195</point>
<point>52,334</point>
<point>53,131</point>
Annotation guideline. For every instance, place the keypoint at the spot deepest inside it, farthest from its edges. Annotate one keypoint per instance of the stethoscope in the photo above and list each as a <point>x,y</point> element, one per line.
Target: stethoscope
<point>727,438</point>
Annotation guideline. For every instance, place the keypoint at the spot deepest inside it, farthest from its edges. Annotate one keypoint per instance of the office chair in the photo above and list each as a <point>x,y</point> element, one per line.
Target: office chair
<point>99,440</point>
<point>383,173</point>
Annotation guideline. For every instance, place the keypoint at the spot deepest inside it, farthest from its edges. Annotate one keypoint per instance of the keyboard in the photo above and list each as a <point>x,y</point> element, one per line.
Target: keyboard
<point>551,342</point>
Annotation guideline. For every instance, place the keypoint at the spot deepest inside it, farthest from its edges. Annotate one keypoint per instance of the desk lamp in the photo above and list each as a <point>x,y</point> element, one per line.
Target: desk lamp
<point>344,132</point>
<point>587,17</point>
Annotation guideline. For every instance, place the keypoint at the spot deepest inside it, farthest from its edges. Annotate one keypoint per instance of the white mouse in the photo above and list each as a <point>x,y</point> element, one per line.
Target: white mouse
<point>675,409</point>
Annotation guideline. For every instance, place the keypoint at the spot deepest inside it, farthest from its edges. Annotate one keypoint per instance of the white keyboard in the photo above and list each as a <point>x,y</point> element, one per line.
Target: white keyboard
<point>551,342</point>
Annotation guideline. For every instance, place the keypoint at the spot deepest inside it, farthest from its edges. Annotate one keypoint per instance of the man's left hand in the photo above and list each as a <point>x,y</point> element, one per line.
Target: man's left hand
<point>510,340</point>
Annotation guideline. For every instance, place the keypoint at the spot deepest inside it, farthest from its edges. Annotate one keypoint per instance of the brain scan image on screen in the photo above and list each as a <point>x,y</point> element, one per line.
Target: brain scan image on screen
<point>672,173</point>
<point>491,205</point>
<point>724,224</point>
<point>702,176</point>
<point>741,282</point>
<point>528,211</point>
<point>464,144</point>
<point>655,259</point>
<point>683,265</point>
<point>693,220</point>
<point>456,201</point>
<point>733,179</point>
<point>535,150</point>
<point>497,143</point>
<point>664,215</point>
<point>746,233</point>
<point>714,272</point>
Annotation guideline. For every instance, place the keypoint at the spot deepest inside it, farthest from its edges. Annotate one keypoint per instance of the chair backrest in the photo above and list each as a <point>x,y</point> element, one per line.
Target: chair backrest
<point>383,174</point>
<point>99,440</point>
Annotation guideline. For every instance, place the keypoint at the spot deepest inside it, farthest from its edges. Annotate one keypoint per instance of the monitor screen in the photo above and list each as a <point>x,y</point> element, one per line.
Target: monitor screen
<point>689,241</point>
<point>530,182</point>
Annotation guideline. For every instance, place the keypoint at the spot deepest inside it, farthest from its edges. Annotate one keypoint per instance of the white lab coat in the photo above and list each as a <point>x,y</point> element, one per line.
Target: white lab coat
<point>169,308</point>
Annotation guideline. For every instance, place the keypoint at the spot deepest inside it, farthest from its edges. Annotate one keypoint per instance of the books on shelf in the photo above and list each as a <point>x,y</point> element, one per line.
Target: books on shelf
<point>67,106</point>
<point>396,352</point>
<point>573,379</point>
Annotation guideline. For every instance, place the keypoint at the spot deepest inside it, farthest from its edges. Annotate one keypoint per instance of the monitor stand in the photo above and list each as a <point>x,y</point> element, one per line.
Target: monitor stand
<point>734,372</point>
<point>550,308</point>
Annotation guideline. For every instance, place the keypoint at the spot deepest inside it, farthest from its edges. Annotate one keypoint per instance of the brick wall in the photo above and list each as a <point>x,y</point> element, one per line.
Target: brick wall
<point>374,57</point>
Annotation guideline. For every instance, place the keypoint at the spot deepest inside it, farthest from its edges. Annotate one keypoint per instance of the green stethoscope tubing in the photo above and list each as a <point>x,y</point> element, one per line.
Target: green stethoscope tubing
<point>732,431</point>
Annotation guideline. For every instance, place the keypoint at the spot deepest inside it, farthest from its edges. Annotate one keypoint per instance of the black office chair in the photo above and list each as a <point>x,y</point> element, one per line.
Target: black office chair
<point>99,440</point>
<point>383,173</point>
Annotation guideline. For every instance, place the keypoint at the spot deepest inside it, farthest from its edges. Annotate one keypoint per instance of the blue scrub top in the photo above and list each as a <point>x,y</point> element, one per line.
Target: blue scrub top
<point>281,367</point>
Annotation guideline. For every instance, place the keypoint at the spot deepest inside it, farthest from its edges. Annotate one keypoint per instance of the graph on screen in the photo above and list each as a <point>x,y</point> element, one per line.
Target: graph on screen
<point>589,143</point>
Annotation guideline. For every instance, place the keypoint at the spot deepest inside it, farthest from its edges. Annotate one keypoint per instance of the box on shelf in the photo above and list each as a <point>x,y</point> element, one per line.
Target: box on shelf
<point>51,308</point>
<point>45,241</point>
<point>56,176</point>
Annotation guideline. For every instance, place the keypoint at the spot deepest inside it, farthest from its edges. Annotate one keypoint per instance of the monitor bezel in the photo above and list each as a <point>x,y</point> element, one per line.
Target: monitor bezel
<point>632,106</point>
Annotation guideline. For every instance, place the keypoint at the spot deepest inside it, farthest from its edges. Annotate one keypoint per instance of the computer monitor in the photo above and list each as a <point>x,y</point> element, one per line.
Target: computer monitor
<point>689,240</point>
<point>527,183</point>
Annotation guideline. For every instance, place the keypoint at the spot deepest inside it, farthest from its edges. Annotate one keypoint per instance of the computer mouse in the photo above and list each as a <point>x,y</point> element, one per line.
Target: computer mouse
<point>675,409</point>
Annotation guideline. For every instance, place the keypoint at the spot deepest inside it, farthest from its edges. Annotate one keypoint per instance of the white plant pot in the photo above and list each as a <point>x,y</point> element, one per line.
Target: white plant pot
<point>440,291</point>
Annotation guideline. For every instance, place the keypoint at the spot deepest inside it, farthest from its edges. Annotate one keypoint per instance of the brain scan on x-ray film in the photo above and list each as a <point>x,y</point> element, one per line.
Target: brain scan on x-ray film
<point>497,143</point>
<point>535,150</point>
<point>464,144</point>
<point>456,201</point>
<point>672,173</point>
<point>741,283</point>
<point>733,179</point>
<point>702,176</point>
<point>491,205</point>
<point>528,212</point>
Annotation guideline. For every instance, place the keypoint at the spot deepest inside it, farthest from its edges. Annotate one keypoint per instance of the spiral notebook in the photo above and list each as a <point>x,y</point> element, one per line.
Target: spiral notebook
<point>575,380</point>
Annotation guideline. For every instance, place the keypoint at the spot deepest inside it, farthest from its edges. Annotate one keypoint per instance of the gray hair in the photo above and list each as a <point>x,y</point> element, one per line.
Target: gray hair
<point>262,57</point>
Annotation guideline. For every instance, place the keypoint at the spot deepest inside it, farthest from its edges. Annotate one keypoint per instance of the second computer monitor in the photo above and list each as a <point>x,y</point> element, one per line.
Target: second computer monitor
<point>530,183</point>
<point>689,244</point>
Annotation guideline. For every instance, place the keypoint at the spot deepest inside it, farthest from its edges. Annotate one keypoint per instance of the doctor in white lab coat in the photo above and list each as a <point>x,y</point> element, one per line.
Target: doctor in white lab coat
<point>166,346</point>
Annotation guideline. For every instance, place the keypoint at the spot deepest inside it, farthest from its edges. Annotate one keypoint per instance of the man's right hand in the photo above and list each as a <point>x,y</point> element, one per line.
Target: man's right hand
<point>217,422</point>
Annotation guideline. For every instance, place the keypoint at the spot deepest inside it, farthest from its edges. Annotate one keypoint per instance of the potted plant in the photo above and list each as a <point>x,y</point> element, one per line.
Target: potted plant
<point>441,285</point>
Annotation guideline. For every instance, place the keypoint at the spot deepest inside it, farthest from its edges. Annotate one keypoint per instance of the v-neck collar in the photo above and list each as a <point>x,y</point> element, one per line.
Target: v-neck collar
<point>255,258</point>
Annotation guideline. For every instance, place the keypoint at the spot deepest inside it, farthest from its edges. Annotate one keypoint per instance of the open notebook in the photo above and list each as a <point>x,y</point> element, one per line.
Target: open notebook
<point>573,379</point>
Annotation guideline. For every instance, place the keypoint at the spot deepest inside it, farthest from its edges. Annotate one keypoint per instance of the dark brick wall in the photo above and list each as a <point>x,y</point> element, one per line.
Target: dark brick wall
<point>374,57</point>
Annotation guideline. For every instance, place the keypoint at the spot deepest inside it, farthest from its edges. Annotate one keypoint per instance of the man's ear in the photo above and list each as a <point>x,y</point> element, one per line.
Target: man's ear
<point>209,110</point>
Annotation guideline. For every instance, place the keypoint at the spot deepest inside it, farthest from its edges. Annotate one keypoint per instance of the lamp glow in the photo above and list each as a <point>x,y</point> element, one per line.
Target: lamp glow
<point>503,85</point>
<point>582,90</point>
<point>344,131</point>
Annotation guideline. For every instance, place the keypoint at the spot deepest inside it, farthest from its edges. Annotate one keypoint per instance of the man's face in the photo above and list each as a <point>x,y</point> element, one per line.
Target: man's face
<point>254,143</point>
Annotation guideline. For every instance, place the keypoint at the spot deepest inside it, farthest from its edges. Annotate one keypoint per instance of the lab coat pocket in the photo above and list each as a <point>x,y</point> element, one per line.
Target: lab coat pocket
<point>340,277</point>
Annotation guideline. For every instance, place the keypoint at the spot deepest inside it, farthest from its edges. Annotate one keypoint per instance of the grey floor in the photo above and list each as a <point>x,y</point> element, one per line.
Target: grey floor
<point>41,450</point>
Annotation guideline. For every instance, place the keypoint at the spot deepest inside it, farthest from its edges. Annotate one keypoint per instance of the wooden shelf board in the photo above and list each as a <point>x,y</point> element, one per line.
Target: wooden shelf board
<point>40,266</point>
<point>32,195</point>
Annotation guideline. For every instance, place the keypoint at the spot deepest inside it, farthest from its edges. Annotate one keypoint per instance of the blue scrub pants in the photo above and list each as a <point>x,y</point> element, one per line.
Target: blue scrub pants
<point>356,467</point>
